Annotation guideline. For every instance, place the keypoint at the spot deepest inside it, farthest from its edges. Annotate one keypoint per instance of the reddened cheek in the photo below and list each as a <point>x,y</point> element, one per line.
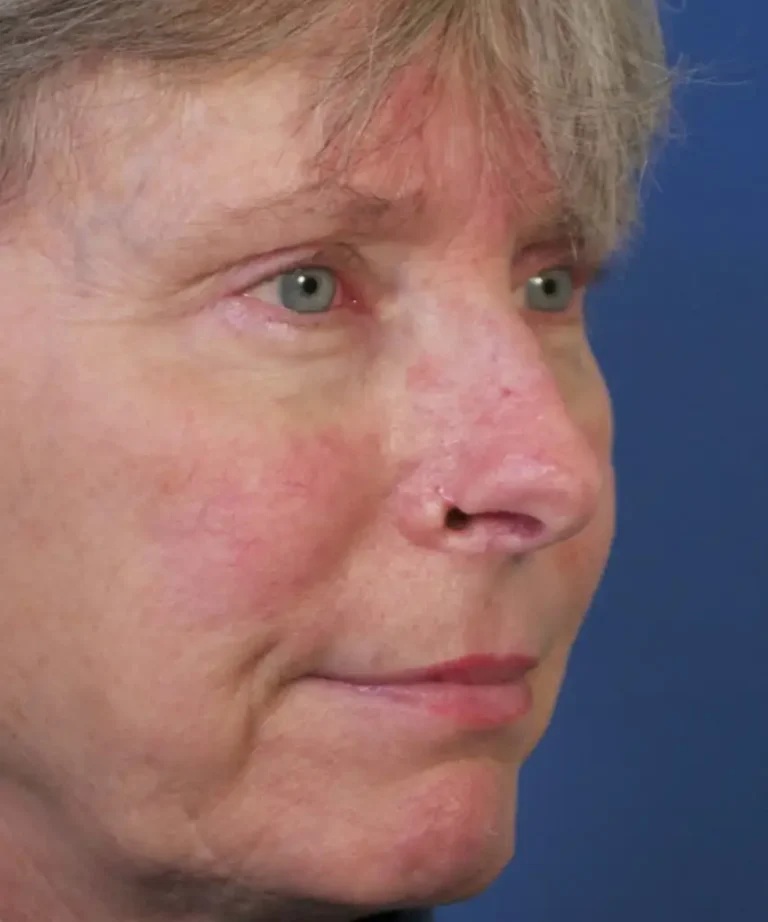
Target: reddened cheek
<point>259,524</point>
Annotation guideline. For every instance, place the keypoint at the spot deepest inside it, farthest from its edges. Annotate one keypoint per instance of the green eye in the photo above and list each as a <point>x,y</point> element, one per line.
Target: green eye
<point>550,291</point>
<point>307,291</point>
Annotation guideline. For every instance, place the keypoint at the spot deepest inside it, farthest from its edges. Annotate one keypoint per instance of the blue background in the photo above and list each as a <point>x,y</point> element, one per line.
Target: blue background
<point>648,799</point>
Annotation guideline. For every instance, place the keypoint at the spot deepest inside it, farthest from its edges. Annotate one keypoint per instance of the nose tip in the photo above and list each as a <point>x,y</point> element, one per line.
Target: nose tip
<point>513,508</point>
<point>532,512</point>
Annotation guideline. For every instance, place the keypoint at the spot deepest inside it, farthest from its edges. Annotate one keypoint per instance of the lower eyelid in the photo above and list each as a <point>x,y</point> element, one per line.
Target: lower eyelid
<point>247,313</point>
<point>246,309</point>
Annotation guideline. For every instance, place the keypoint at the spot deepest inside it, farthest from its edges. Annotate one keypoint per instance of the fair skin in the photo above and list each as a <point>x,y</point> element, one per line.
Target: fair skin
<point>209,498</point>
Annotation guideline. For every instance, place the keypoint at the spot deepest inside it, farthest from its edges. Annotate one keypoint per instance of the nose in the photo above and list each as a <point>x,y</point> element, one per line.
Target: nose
<point>492,459</point>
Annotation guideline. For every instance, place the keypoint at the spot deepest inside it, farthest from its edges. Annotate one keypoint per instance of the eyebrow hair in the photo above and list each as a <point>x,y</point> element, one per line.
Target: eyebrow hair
<point>331,208</point>
<point>365,213</point>
<point>557,225</point>
<point>224,233</point>
<point>361,213</point>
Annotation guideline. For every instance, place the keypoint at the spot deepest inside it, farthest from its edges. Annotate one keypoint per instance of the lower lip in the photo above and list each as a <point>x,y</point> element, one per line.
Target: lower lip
<point>476,707</point>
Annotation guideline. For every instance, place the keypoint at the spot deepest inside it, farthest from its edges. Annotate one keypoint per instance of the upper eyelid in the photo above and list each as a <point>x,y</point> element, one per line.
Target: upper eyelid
<point>339,259</point>
<point>344,258</point>
<point>554,256</point>
<point>585,272</point>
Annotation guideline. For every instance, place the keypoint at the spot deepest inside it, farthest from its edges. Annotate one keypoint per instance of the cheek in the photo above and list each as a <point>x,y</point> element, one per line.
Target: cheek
<point>256,529</point>
<point>575,567</point>
<point>581,560</point>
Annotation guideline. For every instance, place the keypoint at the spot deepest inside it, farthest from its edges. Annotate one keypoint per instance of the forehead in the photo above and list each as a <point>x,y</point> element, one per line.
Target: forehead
<point>228,145</point>
<point>430,142</point>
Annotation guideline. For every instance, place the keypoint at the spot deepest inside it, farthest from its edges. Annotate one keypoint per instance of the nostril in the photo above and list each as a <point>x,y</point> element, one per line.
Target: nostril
<point>523,527</point>
<point>456,520</point>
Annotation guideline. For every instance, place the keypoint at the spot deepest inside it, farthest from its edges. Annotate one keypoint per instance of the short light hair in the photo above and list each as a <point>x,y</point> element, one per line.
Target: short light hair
<point>591,74</point>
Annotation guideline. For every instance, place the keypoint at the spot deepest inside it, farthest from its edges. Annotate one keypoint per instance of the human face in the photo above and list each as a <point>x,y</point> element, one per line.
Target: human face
<point>211,498</point>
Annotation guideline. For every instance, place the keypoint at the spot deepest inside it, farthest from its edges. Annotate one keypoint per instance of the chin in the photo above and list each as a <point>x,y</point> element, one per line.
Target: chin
<point>437,834</point>
<point>446,838</point>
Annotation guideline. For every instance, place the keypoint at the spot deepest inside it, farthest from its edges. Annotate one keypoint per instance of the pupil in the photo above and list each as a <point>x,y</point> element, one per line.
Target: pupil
<point>550,287</point>
<point>308,284</point>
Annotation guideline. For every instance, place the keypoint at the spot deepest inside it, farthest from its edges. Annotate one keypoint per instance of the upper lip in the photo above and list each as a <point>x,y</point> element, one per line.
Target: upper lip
<point>477,669</point>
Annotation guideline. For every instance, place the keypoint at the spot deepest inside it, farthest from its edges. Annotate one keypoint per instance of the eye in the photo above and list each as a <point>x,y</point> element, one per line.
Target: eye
<point>310,290</point>
<point>304,290</point>
<point>550,291</point>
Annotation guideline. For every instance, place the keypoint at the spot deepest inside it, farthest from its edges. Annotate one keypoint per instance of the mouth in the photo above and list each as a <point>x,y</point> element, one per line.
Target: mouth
<point>476,669</point>
<point>475,692</point>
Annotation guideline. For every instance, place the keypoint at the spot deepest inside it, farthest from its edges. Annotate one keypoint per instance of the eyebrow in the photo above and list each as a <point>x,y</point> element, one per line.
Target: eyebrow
<point>322,205</point>
<point>349,208</point>
<point>230,233</point>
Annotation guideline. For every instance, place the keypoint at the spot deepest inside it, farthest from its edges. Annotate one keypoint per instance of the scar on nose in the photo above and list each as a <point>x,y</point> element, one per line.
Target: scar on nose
<point>456,520</point>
